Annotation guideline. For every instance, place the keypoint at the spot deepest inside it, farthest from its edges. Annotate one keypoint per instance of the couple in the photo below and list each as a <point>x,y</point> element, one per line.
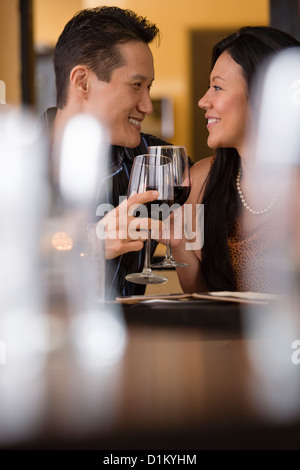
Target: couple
<point>104,66</point>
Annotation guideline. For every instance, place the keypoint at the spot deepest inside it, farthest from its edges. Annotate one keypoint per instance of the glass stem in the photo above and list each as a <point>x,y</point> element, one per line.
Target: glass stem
<point>168,250</point>
<point>168,255</point>
<point>147,268</point>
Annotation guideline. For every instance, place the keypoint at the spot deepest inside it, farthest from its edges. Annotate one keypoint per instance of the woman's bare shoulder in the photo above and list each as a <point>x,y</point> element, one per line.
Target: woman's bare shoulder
<point>202,168</point>
<point>199,172</point>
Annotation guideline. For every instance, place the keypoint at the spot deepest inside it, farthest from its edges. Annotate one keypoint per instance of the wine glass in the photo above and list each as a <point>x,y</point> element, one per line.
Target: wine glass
<point>182,187</point>
<point>151,172</point>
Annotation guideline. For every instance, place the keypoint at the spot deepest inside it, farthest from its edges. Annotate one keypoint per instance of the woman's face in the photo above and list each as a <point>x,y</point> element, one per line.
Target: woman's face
<point>226,104</point>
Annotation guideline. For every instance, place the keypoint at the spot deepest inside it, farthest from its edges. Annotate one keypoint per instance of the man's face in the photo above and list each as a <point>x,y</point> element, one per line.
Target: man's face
<point>123,102</point>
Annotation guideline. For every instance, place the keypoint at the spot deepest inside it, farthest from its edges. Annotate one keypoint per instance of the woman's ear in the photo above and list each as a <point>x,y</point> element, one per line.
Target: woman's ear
<point>79,80</point>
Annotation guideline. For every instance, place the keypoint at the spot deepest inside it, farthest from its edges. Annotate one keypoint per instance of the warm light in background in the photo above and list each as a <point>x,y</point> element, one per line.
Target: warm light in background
<point>62,241</point>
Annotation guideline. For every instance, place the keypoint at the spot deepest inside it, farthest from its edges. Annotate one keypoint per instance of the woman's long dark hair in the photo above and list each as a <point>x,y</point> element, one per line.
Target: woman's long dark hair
<point>249,47</point>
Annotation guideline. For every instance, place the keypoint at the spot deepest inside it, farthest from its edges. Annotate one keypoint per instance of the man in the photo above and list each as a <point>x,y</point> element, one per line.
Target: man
<point>104,66</point>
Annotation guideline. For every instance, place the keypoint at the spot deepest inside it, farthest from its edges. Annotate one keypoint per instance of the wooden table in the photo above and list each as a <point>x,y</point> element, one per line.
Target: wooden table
<point>188,379</point>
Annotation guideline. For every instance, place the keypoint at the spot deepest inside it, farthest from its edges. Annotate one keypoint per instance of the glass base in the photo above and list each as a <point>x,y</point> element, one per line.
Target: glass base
<point>168,263</point>
<point>146,278</point>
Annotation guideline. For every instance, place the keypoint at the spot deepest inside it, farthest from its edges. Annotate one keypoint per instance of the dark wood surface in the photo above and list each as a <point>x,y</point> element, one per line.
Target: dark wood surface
<point>187,380</point>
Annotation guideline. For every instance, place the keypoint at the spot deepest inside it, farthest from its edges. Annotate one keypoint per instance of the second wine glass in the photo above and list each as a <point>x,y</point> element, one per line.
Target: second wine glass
<point>151,172</point>
<point>182,187</point>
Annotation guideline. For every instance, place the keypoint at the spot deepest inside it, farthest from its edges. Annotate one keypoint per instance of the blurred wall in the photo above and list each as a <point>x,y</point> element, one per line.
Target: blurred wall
<point>10,66</point>
<point>50,17</point>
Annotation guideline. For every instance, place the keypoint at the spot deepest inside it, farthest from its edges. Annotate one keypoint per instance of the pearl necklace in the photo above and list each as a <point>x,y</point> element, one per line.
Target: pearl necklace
<point>244,202</point>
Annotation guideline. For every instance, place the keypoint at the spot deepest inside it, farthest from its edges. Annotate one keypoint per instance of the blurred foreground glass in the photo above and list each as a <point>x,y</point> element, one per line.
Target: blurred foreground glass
<point>96,330</point>
<point>23,323</point>
<point>60,344</point>
<point>76,255</point>
<point>275,146</point>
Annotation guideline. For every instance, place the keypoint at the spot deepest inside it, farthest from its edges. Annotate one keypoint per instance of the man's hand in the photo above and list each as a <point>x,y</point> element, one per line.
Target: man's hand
<point>122,231</point>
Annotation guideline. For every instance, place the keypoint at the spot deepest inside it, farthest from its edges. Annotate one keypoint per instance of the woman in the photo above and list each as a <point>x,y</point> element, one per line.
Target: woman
<point>237,214</point>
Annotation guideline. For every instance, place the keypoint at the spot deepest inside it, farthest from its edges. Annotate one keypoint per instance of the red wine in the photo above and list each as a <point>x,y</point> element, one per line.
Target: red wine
<point>159,209</point>
<point>181,193</point>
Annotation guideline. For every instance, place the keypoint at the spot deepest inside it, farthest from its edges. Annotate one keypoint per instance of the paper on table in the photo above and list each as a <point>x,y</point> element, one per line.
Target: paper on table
<point>132,299</point>
<point>241,297</point>
<point>227,296</point>
<point>247,295</point>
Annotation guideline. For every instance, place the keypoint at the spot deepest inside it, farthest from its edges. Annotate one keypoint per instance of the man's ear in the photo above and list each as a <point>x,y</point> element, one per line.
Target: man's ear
<point>79,80</point>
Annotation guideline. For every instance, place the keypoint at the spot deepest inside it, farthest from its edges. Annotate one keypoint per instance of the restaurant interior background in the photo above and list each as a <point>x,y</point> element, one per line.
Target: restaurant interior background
<point>182,60</point>
<point>177,58</point>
